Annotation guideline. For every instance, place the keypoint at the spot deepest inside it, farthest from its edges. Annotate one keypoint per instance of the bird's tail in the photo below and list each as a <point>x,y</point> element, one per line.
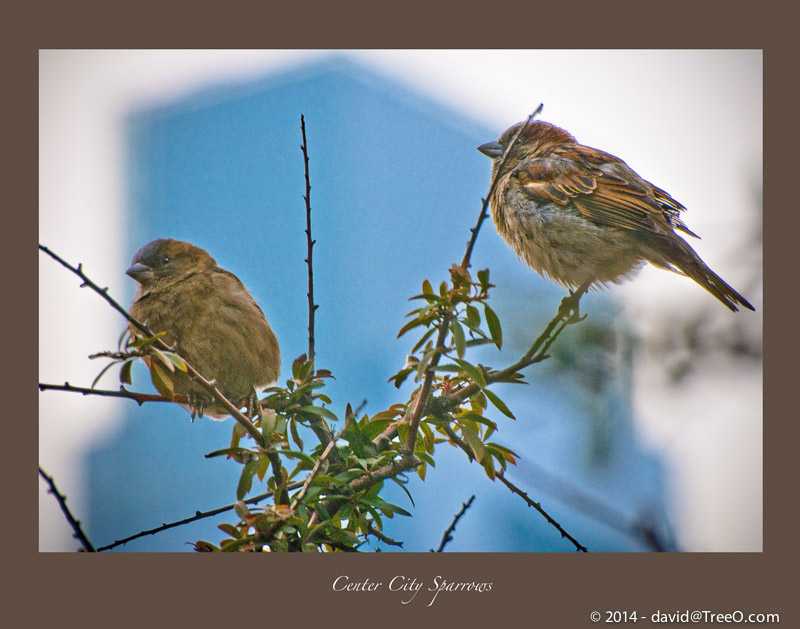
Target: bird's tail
<point>681,258</point>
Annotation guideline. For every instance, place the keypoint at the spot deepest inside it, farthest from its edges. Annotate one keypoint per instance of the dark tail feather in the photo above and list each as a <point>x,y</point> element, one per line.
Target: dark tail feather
<point>678,256</point>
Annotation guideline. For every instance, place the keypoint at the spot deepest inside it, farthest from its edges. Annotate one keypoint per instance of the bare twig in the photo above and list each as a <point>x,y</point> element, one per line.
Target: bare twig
<point>448,534</point>
<point>62,502</point>
<point>465,262</point>
<point>312,307</point>
<point>538,507</point>
<point>139,398</point>
<point>193,373</point>
<point>579,500</point>
<point>360,407</point>
<point>197,516</point>
<point>383,537</point>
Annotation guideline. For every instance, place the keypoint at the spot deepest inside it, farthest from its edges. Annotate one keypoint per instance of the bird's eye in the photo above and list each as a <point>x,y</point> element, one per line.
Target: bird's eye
<point>165,260</point>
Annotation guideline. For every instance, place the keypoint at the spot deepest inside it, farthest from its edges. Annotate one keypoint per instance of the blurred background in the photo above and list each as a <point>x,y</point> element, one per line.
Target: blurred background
<point>644,430</point>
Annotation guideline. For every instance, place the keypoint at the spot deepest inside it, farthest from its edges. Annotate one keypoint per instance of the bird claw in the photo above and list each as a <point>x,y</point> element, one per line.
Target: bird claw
<point>570,308</point>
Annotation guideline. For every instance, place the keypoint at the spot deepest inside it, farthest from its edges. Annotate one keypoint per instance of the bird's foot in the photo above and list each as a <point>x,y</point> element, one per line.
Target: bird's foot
<point>570,306</point>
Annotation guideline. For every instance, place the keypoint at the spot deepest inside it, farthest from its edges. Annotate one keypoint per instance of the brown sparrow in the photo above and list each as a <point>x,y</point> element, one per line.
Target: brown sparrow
<point>583,218</point>
<point>210,318</point>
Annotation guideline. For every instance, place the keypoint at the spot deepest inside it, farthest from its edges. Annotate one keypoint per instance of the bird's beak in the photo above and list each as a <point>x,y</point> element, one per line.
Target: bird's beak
<point>491,149</point>
<point>140,272</point>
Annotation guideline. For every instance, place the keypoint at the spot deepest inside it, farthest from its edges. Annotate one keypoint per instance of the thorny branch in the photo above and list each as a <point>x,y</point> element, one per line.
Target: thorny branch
<point>312,307</point>
<point>197,516</point>
<point>448,534</point>
<point>465,262</point>
<point>140,398</point>
<point>532,503</point>
<point>62,502</point>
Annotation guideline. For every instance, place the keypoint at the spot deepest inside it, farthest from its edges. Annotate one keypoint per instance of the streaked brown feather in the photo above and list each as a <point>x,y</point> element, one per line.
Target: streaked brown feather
<point>614,196</point>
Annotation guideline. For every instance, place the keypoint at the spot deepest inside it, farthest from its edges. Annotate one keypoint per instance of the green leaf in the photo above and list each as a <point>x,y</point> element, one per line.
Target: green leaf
<point>424,338</point>
<point>473,317</point>
<point>161,380</point>
<point>494,325</point>
<point>176,360</point>
<point>426,288</point>
<point>387,414</point>
<point>400,377</point>
<point>164,359</point>
<point>498,403</point>
<point>425,361</point>
<point>263,466</point>
<point>488,466</point>
<point>474,442</point>
<point>476,342</point>
<point>297,364</point>
<point>241,510</point>
<point>125,372</point>
<point>295,437</point>
<point>458,337</point>
<point>294,454</point>
<point>246,479</point>
<point>427,437</point>
<point>480,419</point>
<point>237,454</point>
<point>508,455</point>
<point>473,372</point>
<point>477,401</point>
<point>319,410</point>
<point>404,488</point>
<point>387,508</point>
<point>229,529</point>
<point>268,423</point>
<point>409,326</point>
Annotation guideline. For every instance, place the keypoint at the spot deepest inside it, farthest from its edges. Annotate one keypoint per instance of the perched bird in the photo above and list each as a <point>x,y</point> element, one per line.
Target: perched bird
<point>583,218</point>
<point>210,318</point>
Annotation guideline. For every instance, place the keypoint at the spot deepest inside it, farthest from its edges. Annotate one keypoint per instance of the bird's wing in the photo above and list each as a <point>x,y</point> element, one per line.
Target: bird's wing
<point>602,188</point>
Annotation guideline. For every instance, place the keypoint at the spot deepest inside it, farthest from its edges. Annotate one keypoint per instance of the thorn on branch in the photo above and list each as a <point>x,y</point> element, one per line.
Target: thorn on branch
<point>62,502</point>
<point>448,534</point>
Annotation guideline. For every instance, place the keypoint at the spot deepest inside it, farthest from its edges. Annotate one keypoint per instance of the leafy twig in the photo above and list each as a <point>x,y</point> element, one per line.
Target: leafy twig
<point>197,516</point>
<point>425,390</point>
<point>448,534</point>
<point>536,353</point>
<point>62,502</point>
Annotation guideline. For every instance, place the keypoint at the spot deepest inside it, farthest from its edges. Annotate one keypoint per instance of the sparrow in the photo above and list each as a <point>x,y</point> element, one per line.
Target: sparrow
<point>209,317</point>
<point>584,218</point>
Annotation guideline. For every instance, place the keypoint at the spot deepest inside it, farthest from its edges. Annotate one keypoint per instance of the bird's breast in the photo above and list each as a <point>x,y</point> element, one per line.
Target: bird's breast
<point>558,242</point>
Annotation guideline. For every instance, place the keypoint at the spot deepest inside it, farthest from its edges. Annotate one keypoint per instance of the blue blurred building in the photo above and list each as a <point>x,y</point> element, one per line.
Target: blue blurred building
<point>396,186</point>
